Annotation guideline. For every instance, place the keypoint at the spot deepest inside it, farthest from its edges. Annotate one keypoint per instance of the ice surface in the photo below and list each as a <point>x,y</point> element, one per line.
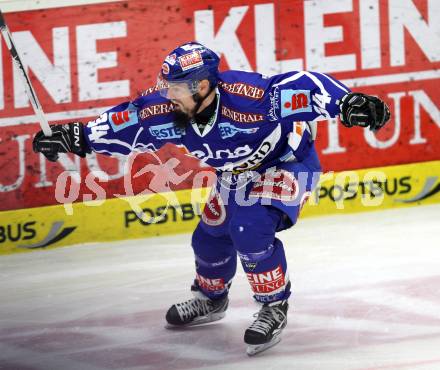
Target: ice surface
<point>366,295</point>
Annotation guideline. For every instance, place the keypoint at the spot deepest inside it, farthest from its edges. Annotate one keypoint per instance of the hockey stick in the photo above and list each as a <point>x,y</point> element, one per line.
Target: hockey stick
<point>30,92</point>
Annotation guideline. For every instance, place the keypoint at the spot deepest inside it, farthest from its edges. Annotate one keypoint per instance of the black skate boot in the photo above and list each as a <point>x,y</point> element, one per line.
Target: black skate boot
<point>266,329</point>
<point>196,311</point>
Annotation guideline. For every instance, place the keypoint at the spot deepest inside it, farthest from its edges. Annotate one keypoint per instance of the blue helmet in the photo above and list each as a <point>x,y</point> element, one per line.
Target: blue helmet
<point>191,63</point>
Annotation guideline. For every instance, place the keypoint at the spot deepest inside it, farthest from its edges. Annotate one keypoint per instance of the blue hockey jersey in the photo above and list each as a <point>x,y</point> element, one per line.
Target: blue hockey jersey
<point>259,121</point>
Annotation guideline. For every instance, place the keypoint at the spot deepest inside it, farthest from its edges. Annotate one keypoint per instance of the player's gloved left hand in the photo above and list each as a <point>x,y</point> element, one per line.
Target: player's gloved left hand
<point>364,110</point>
<point>68,138</point>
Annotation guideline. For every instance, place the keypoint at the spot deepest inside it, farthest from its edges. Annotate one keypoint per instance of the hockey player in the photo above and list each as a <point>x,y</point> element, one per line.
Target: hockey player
<point>258,133</point>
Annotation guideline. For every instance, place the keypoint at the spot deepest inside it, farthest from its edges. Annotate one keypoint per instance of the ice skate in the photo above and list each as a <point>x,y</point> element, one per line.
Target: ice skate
<point>265,331</point>
<point>196,311</point>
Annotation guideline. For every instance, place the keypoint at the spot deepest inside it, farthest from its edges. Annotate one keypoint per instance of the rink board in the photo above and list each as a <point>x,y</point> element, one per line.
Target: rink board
<point>116,219</point>
<point>86,58</point>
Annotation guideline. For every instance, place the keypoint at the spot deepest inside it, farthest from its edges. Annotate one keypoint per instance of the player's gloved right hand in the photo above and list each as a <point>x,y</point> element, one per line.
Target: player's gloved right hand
<point>364,110</point>
<point>68,138</point>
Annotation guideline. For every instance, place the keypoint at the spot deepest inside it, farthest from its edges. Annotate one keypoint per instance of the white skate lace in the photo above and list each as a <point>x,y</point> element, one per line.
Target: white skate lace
<point>266,318</point>
<point>193,308</point>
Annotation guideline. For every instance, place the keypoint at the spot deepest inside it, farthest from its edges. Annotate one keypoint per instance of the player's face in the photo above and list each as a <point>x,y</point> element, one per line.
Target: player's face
<point>182,98</point>
<point>187,97</point>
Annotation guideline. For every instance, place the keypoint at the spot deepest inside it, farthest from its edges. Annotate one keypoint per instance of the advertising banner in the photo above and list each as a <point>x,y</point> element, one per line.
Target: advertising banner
<point>180,211</point>
<point>84,59</point>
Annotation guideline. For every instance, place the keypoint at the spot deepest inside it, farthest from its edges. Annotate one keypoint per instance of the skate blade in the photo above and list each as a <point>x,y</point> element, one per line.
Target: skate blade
<point>253,350</point>
<point>200,321</point>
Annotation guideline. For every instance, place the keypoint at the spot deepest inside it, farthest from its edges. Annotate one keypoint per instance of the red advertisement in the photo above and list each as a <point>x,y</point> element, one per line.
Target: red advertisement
<point>267,282</point>
<point>84,59</point>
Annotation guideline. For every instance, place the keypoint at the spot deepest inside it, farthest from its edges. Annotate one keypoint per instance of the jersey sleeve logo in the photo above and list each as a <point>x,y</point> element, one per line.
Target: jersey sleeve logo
<point>295,101</point>
<point>124,119</point>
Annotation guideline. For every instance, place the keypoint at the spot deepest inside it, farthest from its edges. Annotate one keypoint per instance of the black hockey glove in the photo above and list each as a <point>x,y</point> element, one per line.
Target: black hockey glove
<point>364,110</point>
<point>66,138</point>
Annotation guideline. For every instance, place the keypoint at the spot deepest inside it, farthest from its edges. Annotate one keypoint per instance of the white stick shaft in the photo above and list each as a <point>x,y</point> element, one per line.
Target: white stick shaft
<point>30,92</point>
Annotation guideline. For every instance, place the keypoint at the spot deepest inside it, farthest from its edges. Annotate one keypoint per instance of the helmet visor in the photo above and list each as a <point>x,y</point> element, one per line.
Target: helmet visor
<point>176,89</point>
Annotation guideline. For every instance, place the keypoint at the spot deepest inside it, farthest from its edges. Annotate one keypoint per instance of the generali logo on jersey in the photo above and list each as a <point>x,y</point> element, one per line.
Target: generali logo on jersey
<point>155,110</point>
<point>267,282</point>
<point>242,89</point>
<point>240,116</point>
